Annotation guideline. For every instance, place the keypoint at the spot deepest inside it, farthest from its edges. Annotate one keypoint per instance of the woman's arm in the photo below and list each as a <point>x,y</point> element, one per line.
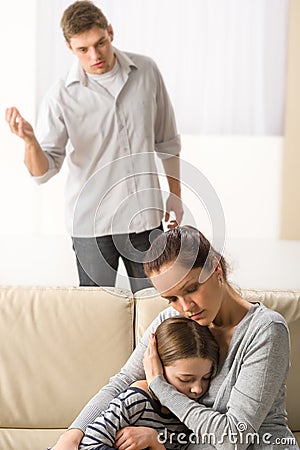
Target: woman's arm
<point>69,440</point>
<point>259,379</point>
<point>132,371</point>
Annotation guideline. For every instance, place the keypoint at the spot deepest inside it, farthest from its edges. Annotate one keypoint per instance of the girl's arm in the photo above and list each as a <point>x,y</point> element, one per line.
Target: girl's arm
<point>118,415</point>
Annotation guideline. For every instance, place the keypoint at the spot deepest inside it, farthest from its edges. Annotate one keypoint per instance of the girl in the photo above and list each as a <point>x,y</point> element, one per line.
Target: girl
<point>189,355</point>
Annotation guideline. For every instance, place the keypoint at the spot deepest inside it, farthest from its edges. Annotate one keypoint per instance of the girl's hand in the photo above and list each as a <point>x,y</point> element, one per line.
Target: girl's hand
<point>137,438</point>
<point>152,363</point>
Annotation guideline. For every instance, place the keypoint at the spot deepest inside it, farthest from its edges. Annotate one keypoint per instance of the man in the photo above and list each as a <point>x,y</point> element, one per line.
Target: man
<point>108,116</point>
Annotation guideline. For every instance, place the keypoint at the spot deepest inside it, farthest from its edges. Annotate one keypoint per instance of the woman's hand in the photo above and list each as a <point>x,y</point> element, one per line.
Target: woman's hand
<point>137,438</point>
<point>152,363</point>
<point>70,440</point>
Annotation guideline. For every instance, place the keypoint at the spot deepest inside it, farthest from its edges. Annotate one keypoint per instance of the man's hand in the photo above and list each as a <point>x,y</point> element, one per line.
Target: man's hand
<point>34,158</point>
<point>137,438</point>
<point>19,126</point>
<point>173,204</point>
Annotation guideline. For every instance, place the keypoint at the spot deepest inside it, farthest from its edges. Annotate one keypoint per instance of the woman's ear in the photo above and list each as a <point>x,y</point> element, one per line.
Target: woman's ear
<point>217,266</point>
<point>219,271</point>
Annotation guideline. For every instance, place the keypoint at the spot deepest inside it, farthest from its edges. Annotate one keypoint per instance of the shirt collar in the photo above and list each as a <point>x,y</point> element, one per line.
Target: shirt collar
<point>77,75</point>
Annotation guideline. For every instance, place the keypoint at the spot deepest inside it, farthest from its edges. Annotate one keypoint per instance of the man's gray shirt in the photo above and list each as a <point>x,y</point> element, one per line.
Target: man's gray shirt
<point>110,144</point>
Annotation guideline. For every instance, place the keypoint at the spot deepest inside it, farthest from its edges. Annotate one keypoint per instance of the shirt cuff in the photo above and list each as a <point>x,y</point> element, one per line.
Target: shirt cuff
<point>168,149</point>
<point>52,170</point>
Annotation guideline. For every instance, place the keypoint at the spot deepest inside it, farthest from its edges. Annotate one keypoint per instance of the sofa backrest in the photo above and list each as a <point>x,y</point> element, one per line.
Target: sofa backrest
<point>58,347</point>
<point>287,303</point>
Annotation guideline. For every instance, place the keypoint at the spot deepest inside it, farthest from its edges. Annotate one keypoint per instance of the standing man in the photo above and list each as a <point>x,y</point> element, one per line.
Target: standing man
<point>113,111</point>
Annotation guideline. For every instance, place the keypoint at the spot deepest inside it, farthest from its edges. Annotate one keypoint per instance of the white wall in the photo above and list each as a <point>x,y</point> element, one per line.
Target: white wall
<point>246,175</point>
<point>17,87</point>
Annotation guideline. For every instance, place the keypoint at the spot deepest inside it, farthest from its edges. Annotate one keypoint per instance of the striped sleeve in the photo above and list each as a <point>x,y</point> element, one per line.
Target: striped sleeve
<point>124,410</point>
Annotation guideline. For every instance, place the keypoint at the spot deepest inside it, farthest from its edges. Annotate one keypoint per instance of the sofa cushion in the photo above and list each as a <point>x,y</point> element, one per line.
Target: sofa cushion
<point>287,303</point>
<point>28,439</point>
<point>53,357</point>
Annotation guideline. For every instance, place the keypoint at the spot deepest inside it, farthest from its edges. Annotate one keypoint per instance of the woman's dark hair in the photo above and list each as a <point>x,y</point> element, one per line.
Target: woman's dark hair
<point>182,338</point>
<point>187,246</point>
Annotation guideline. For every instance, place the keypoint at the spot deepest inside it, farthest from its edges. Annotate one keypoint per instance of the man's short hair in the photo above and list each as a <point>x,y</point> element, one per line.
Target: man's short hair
<point>81,16</point>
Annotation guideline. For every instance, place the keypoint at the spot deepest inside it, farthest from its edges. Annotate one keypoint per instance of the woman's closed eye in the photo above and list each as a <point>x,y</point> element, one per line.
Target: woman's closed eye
<point>171,299</point>
<point>192,288</point>
<point>189,290</point>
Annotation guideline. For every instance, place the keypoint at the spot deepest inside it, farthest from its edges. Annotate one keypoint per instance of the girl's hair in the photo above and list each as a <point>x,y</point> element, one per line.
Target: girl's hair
<point>186,245</point>
<point>181,338</point>
<point>81,16</point>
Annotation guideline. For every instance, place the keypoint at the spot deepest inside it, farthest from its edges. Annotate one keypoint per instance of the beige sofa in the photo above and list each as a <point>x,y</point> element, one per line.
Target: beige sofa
<point>60,345</point>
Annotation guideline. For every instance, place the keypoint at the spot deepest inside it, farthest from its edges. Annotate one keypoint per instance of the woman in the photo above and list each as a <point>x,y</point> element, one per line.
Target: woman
<point>245,405</point>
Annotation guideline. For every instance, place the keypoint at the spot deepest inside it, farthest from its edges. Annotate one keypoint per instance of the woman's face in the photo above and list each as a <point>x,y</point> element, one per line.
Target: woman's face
<point>200,301</point>
<point>190,376</point>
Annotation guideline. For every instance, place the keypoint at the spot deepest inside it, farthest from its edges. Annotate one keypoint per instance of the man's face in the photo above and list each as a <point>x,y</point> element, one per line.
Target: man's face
<point>94,50</point>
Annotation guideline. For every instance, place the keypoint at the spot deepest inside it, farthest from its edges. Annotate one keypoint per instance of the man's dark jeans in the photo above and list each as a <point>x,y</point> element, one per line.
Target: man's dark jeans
<point>97,258</point>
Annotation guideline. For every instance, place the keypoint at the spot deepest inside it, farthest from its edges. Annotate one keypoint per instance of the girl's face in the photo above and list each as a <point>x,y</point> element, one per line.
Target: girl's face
<point>195,300</point>
<point>190,376</point>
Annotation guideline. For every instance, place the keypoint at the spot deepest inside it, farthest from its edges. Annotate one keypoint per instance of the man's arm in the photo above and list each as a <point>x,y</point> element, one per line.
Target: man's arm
<point>168,146</point>
<point>174,203</point>
<point>34,158</point>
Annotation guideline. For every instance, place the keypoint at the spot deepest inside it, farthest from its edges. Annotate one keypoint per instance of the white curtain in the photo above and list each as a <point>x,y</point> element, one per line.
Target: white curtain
<point>223,61</point>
